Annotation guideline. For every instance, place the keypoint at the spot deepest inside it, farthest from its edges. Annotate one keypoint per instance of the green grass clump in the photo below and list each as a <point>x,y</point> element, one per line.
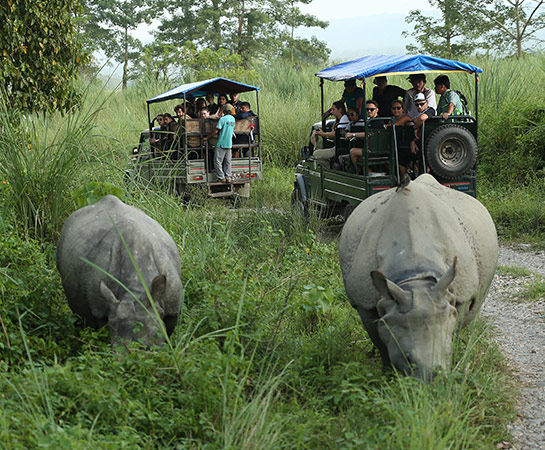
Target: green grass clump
<point>534,290</point>
<point>513,271</point>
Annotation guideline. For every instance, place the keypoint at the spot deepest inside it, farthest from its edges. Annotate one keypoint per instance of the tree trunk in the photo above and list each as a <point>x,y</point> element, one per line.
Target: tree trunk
<point>240,27</point>
<point>126,59</point>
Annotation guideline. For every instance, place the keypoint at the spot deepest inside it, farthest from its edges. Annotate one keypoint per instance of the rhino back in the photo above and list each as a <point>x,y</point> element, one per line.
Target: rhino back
<point>417,233</point>
<point>90,233</point>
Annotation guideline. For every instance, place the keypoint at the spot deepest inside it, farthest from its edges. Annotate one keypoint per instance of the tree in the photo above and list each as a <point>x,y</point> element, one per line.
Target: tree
<point>456,32</point>
<point>513,22</point>
<point>108,23</point>
<point>249,28</point>
<point>39,52</point>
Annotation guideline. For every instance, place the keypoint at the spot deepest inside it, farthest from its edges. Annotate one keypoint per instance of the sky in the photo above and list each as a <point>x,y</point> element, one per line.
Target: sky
<point>363,27</point>
<point>345,9</point>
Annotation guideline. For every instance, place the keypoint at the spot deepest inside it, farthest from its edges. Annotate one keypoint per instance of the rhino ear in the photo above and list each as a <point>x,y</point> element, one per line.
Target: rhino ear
<point>389,289</point>
<point>108,295</point>
<point>442,285</point>
<point>158,289</point>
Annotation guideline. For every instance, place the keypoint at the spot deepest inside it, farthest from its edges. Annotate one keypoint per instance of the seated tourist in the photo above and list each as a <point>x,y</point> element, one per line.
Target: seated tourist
<point>222,101</point>
<point>371,108</point>
<point>425,112</point>
<point>323,156</point>
<point>200,103</point>
<point>212,105</point>
<point>399,116</point>
<point>385,94</point>
<point>418,80</point>
<point>352,95</point>
<point>244,111</point>
<point>155,137</point>
<point>450,103</point>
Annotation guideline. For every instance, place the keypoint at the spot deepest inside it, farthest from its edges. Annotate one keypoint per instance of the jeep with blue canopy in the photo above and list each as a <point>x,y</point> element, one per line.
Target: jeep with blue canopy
<point>188,160</point>
<point>448,148</point>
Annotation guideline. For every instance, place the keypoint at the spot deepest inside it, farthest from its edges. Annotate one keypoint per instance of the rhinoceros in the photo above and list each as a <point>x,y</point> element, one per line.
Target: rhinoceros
<point>94,233</point>
<point>415,262</point>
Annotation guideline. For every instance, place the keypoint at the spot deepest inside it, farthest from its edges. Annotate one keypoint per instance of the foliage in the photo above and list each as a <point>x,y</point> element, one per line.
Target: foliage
<point>465,27</point>
<point>513,23</point>
<point>250,28</point>
<point>40,54</point>
<point>455,33</point>
<point>92,192</point>
<point>40,163</point>
<point>106,24</point>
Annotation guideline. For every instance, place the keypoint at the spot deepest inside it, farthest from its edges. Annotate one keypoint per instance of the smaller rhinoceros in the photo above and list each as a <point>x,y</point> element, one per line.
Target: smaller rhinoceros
<point>94,233</point>
<point>416,261</point>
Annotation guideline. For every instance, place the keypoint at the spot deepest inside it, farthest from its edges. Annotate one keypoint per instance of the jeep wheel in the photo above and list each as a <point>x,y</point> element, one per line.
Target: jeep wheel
<point>451,151</point>
<point>298,204</point>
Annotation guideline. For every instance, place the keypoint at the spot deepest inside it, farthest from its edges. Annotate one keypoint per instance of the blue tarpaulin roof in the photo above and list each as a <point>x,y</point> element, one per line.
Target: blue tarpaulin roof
<point>370,66</point>
<point>200,88</point>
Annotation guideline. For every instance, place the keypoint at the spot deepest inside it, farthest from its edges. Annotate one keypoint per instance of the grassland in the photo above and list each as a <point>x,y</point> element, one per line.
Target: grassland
<point>268,352</point>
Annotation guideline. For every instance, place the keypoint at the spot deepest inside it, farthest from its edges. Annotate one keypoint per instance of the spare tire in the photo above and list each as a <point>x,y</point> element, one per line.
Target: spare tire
<point>451,151</point>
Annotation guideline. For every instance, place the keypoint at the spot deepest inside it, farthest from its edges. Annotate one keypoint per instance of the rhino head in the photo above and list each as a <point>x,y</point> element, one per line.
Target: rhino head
<point>129,319</point>
<point>417,322</point>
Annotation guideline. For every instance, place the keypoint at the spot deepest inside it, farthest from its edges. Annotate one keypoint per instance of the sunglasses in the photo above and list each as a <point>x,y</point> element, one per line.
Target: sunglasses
<point>396,107</point>
<point>420,103</point>
<point>370,109</point>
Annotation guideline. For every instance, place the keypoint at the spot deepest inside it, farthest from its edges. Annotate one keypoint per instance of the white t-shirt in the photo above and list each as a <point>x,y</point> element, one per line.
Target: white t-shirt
<point>343,122</point>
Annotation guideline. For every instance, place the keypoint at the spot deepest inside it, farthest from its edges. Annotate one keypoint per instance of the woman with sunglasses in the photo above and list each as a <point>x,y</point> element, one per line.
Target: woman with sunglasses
<point>399,116</point>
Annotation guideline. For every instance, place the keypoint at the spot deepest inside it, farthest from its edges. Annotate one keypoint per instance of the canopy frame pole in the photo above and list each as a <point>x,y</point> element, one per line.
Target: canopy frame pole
<point>257,135</point>
<point>476,103</point>
<point>322,102</point>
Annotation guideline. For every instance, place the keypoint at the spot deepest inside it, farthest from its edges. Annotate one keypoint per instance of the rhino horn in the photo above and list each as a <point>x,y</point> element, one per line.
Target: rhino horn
<point>442,285</point>
<point>107,293</point>
<point>388,289</point>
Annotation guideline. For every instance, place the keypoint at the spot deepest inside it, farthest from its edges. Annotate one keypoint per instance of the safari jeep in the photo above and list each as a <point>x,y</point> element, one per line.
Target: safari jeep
<point>189,161</point>
<point>449,147</point>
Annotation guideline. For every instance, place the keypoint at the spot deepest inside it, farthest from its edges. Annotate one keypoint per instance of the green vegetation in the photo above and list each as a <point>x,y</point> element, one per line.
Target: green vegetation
<point>534,290</point>
<point>39,53</point>
<point>268,352</point>
<point>513,271</point>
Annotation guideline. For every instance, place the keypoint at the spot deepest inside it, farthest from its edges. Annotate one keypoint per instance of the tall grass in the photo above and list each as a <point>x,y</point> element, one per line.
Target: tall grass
<point>41,161</point>
<point>268,352</point>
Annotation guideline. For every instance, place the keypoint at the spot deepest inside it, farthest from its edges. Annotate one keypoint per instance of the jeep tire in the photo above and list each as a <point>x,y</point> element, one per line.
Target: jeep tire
<point>451,151</point>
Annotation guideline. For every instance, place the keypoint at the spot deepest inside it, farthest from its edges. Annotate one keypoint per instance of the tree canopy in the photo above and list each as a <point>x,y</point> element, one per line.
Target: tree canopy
<point>464,27</point>
<point>40,53</point>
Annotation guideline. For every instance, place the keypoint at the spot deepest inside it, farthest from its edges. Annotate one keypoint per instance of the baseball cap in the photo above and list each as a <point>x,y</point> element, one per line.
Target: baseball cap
<point>419,97</point>
<point>228,108</point>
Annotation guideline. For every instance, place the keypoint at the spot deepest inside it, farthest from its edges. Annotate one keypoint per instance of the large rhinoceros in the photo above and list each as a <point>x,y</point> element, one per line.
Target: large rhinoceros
<point>94,233</point>
<point>414,261</point>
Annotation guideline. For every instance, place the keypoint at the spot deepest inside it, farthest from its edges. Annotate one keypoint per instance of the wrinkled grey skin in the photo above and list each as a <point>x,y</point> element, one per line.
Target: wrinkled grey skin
<point>414,263</point>
<point>89,233</point>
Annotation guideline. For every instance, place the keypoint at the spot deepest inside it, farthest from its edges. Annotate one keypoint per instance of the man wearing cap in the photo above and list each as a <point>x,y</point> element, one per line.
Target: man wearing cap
<point>353,96</point>
<point>222,152</point>
<point>418,80</point>
<point>424,113</point>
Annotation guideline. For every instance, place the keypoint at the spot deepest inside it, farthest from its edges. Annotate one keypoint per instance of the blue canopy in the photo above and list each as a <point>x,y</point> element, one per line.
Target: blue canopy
<point>382,65</point>
<point>201,88</point>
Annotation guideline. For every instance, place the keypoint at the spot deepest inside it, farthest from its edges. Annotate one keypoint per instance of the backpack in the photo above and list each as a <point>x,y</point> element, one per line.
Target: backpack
<point>464,102</point>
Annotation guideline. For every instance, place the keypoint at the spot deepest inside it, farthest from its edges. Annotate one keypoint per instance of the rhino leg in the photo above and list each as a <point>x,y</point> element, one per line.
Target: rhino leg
<point>369,317</point>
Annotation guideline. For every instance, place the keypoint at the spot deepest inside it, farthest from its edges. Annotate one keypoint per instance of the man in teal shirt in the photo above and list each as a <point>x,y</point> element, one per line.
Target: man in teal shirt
<point>449,103</point>
<point>222,152</point>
